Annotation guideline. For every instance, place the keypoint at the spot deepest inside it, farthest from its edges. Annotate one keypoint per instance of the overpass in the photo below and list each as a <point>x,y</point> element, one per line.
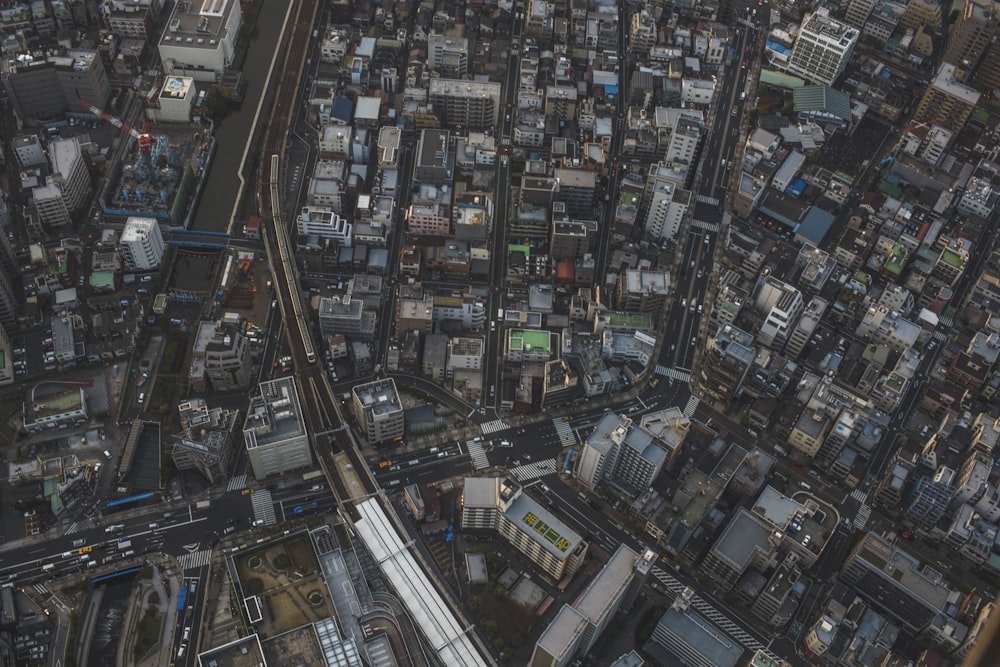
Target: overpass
<point>189,238</point>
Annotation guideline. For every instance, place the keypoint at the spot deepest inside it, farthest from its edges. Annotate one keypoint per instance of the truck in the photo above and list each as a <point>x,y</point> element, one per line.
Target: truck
<point>124,544</point>
<point>205,504</point>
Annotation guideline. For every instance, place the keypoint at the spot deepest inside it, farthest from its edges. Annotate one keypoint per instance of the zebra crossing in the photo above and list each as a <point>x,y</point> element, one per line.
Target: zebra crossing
<point>706,226</point>
<point>41,590</point>
<point>533,470</point>
<point>477,454</point>
<point>263,507</point>
<point>704,199</point>
<point>861,520</point>
<point>236,483</point>
<point>494,426</point>
<point>722,621</point>
<point>195,560</point>
<point>859,495</point>
<point>673,373</point>
<point>565,432</point>
<point>691,406</point>
<point>82,524</point>
<point>940,336</point>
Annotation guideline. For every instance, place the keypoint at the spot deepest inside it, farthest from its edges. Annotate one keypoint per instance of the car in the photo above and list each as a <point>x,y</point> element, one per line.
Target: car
<point>684,302</point>
<point>694,340</point>
<point>744,64</point>
<point>246,492</point>
<point>699,307</point>
<point>142,397</point>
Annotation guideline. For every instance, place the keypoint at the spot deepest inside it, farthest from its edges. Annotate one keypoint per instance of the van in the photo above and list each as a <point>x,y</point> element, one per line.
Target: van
<point>435,450</point>
<point>154,526</point>
<point>107,454</point>
<point>229,530</point>
<point>180,651</point>
<point>80,542</point>
<point>805,486</point>
<point>48,567</point>
<point>394,482</point>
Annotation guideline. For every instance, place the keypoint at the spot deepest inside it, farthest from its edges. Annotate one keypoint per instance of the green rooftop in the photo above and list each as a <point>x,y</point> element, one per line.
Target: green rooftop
<point>102,279</point>
<point>530,341</point>
<point>517,247</point>
<point>630,199</point>
<point>951,258</point>
<point>894,263</point>
<point>631,320</point>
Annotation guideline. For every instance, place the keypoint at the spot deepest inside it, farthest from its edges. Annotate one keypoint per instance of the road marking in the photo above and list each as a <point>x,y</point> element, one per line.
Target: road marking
<point>191,548</point>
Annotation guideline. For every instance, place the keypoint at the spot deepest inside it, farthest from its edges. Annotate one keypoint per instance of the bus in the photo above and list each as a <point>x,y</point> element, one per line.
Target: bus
<point>314,474</point>
<point>182,598</point>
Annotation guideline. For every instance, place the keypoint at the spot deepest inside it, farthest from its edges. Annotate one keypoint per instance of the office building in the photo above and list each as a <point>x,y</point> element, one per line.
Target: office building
<point>728,358</point>
<point>896,582</point>
<point>577,189</point>
<point>781,305</point>
<point>49,205</point>
<point>668,204</point>
<point>321,223</point>
<point>221,353</point>
<point>822,48</point>
<point>435,164</point>
<point>473,105</point>
<point>747,541</point>
<point>684,637</point>
<point>131,18</point>
<point>643,292</point>
<point>569,239</point>
<point>627,455</point>
<point>44,86</point>
<point>141,244</point>
<point>377,408</point>
<point>578,626</point>
<point>448,54</point>
<point>947,101</point>
<point>205,444</point>
<point>495,504</point>
<point>200,39</point>
<point>346,316</point>
<point>858,12</point>
<point>275,430</point>
<point>972,44</point>
<point>69,173</point>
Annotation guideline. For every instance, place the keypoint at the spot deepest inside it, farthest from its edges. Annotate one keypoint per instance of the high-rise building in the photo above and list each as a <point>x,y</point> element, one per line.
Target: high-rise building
<point>972,47</point>
<point>206,443</point>
<point>576,627</point>
<point>492,503</point>
<point>474,105</point>
<point>325,224</point>
<point>822,48</point>
<point>45,87</point>
<point>858,12</point>
<point>895,582</point>
<point>377,408</point>
<point>69,172</point>
<point>435,159</point>
<point>275,430</point>
<point>200,39</point>
<point>643,291</point>
<point>448,54</point>
<point>223,353</point>
<point>627,454</point>
<point>141,244</point>
<point>781,305</point>
<point>668,204</point>
<point>728,357</point>
<point>947,101</point>
<point>685,637</point>
<point>131,18</point>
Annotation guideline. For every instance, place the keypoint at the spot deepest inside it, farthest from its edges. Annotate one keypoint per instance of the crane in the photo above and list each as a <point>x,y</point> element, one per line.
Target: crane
<point>926,123</point>
<point>117,122</point>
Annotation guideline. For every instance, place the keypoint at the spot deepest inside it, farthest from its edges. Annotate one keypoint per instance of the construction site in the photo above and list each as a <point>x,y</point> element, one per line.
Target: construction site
<point>157,175</point>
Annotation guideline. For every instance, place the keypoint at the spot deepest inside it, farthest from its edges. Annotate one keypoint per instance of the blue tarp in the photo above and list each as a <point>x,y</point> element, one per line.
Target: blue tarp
<point>796,187</point>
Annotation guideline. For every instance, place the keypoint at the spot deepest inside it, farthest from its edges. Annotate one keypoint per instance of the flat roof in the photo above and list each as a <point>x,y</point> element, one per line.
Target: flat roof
<point>443,632</point>
<point>539,524</point>
<point>561,633</point>
<point>524,339</point>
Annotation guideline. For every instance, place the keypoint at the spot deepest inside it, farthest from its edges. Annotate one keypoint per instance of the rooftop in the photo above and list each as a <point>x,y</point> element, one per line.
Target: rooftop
<point>530,341</point>
<point>379,397</point>
<point>199,23</point>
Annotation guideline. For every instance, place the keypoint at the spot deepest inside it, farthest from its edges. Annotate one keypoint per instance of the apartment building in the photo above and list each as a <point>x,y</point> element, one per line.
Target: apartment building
<point>377,408</point>
<point>275,431</point>
<point>141,244</point>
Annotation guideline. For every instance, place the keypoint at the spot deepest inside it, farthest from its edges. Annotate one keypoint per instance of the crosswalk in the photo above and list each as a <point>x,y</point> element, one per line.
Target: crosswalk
<point>263,507</point>
<point>661,370</point>
<point>722,621</point>
<point>534,470</point>
<point>706,226</point>
<point>41,590</point>
<point>565,432</point>
<point>861,520</point>
<point>236,483</point>
<point>195,560</point>
<point>674,373</point>
<point>940,336</point>
<point>691,406</point>
<point>477,454</point>
<point>704,199</point>
<point>82,524</point>
<point>859,495</point>
<point>494,426</point>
